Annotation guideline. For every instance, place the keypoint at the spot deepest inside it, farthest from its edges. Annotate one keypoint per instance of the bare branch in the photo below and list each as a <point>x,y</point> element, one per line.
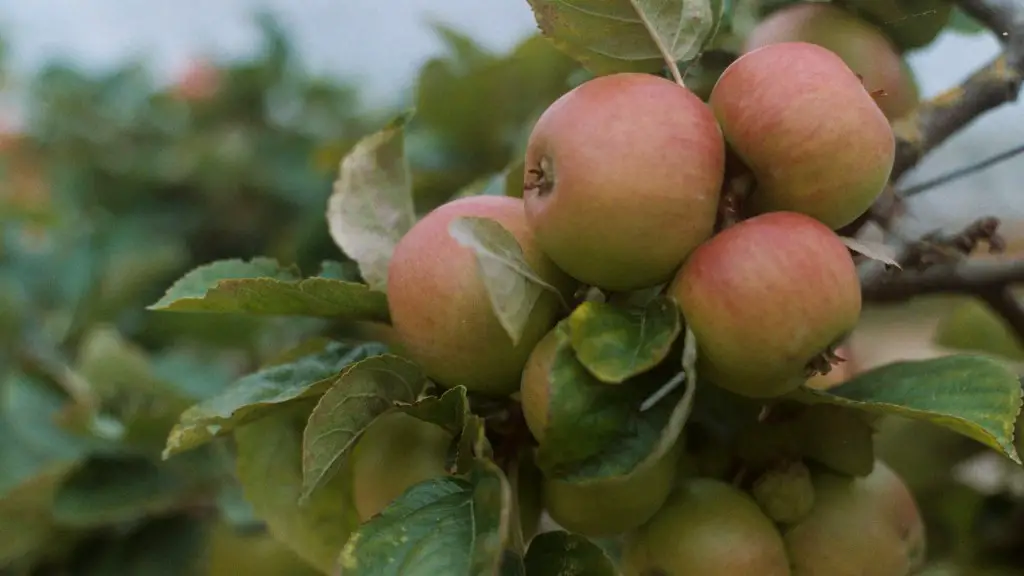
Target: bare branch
<point>935,120</point>
<point>938,264</point>
<point>964,277</point>
<point>961,172</point>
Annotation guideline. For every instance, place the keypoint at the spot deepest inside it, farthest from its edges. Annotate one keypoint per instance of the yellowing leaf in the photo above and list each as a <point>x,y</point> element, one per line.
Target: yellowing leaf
<point>371,207</point>
<point>618,342</point>
<point>512,285</point>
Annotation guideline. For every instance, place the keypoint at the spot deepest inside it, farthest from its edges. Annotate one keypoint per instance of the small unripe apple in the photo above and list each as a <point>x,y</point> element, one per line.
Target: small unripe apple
<point>864,48</point>
<point>802,121</point>
<point>394,453</point>
<point>610,507</point>
<point>767,299</point>
<point>622,179</point>
<point>708,528</point>
<point>868,525</point>
<point>440,307</point>
<point>910,23</point>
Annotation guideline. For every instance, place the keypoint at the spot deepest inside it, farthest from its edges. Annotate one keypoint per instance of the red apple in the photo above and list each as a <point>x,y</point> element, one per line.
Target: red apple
<point>440,307</point>
<point>802,121</point>
<point>766,298</point>
<point>623,175</point>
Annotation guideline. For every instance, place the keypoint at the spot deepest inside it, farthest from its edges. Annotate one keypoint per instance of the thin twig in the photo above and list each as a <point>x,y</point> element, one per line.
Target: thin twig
<point>961,172</point>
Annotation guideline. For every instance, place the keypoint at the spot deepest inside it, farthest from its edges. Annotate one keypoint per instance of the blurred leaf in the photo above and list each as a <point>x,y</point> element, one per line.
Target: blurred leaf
<point>31,445</point>
<point>261,286</point>
<point>560,553</point>
<point>121,375</point>
<point>258,394</point>
<point>25,520</point>
<point>371,206</point>
<point>347,271</point>
<point>169,546</point>
<point>973,326</point>
<point>361,393</point>
<point>473,444</point>
<point>451,525</point>
<point>972,395</point>
<point>626,35</point>
<point>512,285</point>
<point>270,470</point>
<point>462,48</point>
<point>109,491</point>
<point>615,343</point>
<point>960,22</point>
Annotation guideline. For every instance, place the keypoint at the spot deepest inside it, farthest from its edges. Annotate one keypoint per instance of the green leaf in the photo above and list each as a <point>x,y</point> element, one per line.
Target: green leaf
<point>583,414</point>
<point>514,288</point>
<point>450,525</point>
<point>976,396</point>
<point>599,432</point>
<point>447,411</point>
<point>261,286</point>
<point>107,491</point>
<point>961,22</point>
<point>609,36</point>
<point>371,207</point>
<point>258,394</point>
<point>654,433</point>
<point>616,343</point>
<point>560,553</point>
<point>269,466</point>
<point>362,392</point>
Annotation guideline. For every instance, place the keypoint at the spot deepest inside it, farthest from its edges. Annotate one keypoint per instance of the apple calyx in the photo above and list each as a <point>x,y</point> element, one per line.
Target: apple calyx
<point>822,363</point>
<point>540,179</point>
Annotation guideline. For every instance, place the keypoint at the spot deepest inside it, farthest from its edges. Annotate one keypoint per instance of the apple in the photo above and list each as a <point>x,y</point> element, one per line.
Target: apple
<point>861,45</point>
<point>612,506</point>
<point>868,525</point>
<point>706,527</point>
<point>440,308</point>
<point>808,129</point>
<point>766,298</point>
<point>395,452</point>
<point>910,23</point>
<point>622,179</point>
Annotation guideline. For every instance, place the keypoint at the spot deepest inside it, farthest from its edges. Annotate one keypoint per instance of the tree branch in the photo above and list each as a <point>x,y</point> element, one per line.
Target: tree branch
<point>935,120</point>
<point>939,265</point>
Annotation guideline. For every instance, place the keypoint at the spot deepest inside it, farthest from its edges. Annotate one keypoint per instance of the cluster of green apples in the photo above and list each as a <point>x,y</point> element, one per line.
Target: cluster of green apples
<point>624,185</point>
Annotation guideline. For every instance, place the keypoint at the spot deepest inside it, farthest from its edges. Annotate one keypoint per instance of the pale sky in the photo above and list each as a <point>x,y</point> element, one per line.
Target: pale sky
<point>382,43</point>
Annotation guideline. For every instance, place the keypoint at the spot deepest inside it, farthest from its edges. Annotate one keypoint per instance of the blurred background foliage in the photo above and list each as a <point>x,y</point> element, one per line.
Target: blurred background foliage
<point>114,187</point>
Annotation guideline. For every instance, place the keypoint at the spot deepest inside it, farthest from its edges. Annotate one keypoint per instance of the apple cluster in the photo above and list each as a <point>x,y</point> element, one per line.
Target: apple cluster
<point>625,177</point>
